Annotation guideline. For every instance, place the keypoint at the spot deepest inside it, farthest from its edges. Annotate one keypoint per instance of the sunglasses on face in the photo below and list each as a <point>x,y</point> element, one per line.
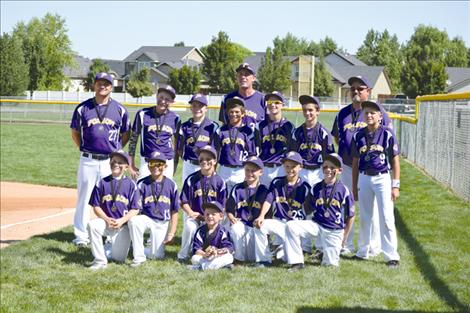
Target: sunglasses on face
<point>156,164</point>
<point>204,160</point>
<point>359,89</point>
<point>276,102</point>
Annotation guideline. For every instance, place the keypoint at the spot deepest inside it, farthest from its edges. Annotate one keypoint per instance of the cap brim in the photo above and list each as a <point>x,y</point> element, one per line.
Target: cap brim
<point>305,99</point>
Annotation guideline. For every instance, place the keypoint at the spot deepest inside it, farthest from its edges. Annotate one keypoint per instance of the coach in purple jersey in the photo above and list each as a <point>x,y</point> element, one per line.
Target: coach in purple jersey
<point>199,188</point>
<point>254,100</point>
<point>194,134</point>
<point>234,143</point>
<point>274,138</point>
<point>158,129</point>
<point>243,207</point>
<point>99,125</point>
<point>160,204</point>
<point>349,120</point>
<point>375,152</point>
<point>115,199</point>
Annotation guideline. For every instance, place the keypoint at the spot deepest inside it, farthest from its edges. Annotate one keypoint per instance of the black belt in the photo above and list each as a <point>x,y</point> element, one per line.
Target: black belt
<point>371,173</point>
<point>311,167</point>
<point>95,156</point>
<point>231,166</point>
<point>271,165</point>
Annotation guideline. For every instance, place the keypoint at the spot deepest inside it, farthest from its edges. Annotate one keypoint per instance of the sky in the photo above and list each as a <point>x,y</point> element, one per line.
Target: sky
<point>114,29</point>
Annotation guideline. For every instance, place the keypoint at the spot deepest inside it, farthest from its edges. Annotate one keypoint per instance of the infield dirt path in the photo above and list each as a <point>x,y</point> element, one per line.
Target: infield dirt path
<point>28,210</point>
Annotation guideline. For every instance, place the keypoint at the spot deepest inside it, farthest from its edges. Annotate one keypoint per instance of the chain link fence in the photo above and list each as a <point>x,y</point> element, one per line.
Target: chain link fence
<point>440,142</point>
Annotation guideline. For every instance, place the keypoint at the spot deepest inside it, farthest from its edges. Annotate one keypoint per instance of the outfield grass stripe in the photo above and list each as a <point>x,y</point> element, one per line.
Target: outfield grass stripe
<point>67,211</point>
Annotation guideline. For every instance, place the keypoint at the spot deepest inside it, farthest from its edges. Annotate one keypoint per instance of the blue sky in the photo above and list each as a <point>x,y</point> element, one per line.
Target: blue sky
<point>113,29</point>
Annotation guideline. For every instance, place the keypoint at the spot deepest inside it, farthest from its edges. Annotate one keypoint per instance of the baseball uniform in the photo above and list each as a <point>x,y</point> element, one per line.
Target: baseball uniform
<point>244,203</point>
<point>100,128</point>
<point>198,189</point>
<point>116,197</point>
<point>159,201</point>
<point>156,134</point>
<point>219,239</point>
<point>374,151</point>
<point>255,108</point>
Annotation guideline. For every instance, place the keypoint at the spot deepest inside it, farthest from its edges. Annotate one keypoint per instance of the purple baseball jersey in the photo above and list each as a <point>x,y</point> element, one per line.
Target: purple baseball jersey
<point>274,139</point>
<point>245,202</point>
<point>287,202</point>
<point>199,189</point>
<point>235,144</point>
<point>193,136</point>
<point>313,144</point>
<point>100,126</point>
<point>255,108</point>
<point>156,131</point>
<point>374,150</point>
<point>332,205</point>
<point>159,199</point>
<point>220,239</point>
<point>115,197</point>
<point>346,123</point>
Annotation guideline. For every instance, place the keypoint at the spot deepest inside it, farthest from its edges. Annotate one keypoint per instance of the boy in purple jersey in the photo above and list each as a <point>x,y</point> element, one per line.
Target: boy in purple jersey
<point>99,125</point>
<point>194,134</point>
<point>254,100</point>
<point>333,216</point>
<point>274,138</point>
<point>234,142</point>
<point>115,199</point>
<point>243,207</point>
<point>286,196</point>
<point>158,128</point>
<point>312,140</point>
<point>212,246</point>
<point>347,122</point>
<point>199,188</point>
<point>375,152</point>
<point>160,204</point>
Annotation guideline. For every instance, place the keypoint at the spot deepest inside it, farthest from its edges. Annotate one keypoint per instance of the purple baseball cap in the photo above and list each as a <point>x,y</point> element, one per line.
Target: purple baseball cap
<point>293,156</point>
<point>199,97</point>
<point>122,154</point>
<point>157,156</point>
<point>305,99</point>
<point>335,159</point>
<point>235,101</point>
<point>275,94</point>
<point>168,89</point>
<point>208,149</point>
<point>371,104</point>
<point>255,161</point>
<point>246,66</point>
<point>363,80</point>
<point>213,205</point>
<point>107,77</point>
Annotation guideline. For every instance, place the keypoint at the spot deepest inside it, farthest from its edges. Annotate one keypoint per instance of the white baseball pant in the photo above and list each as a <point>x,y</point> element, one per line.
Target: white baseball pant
<point>243,241</point>
<point>120,241</point>
<point>380,188</point>
<point>89,172</point>
<point>214,264</point>
<point>375,249</point>
<point>231,176</point>
<point>312,177</point>
<point>270,227</point>
<point>269,173</point>
<point>190,226</point>
<point>144,169</point>
<point>188,169</point>
<point>158,230</point>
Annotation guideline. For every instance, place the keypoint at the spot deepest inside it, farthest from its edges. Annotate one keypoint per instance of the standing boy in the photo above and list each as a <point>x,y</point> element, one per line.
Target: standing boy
<point>375,152</point>
<point>99,125</point>
<point>286,196</point>
<point>212,247</point>
<point>200,187</point>
<point>115,199</point>
<point>158,128</point>
<point>234,142</point>
<point>333,216</point>
<point>194,134</point>
<point>160,204</point>
<point>273,137</point>
<point>243,207</point>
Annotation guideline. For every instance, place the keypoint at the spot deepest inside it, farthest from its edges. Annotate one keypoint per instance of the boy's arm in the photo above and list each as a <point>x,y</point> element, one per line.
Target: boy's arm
<point>355,177</point>
<point>172,229</point>
<point>264,209</point>
<point>100,213</point>
<point>123,220</point>
<point>395,177</point>
<point>347,229</point>
<point>76,137</point>
<point>187,209</point>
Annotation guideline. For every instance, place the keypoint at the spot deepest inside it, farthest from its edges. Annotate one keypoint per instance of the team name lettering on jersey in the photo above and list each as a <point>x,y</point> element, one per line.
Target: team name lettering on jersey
<point>279,137</point>
<point>210,193</point>
<point>333,202</point>
<point>372,148</point>
<point>314,146</point>
<point>161,199</point>
<point>119,198</point>
<point>356,126</point>
<point>239,141</point>
<point>200,138</point>
<point>244,203</point>
<point>251,114</point>
<point>294,203</point>
<point>95,121</point>
<point>165,128</point>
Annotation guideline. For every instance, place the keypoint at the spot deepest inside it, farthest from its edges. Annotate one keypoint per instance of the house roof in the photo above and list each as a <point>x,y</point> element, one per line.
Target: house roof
<point>117,66</point>
<point>255,60</point>
<point>343,72</point>
<point>456,75</point>
<point>347,59</point>
<point>79,71</point>
<point>161,53</point>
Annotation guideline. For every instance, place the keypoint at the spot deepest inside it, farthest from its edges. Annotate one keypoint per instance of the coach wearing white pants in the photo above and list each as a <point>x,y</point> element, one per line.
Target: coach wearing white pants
<point>231,175</point>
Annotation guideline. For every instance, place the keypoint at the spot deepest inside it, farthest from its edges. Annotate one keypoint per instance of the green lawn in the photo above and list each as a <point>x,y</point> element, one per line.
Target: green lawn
<point>48,274</point>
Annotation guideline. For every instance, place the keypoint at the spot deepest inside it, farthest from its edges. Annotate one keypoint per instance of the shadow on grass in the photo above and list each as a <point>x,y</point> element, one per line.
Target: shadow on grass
<point>61,236</point>
<point>306,309</point>
<point>424,264</point>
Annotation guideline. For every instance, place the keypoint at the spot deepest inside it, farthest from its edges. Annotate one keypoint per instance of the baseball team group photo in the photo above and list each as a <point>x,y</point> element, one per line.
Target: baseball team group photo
<point>180,178</point>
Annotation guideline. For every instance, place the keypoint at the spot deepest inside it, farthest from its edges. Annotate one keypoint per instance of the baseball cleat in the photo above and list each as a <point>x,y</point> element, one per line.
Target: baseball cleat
<point>196,267</point>
<point>181,260</point>
<point>393,264</point>
<point>262,264</point>
<point>98,266</point>
<point>296,267</point>
<point>136,264</point>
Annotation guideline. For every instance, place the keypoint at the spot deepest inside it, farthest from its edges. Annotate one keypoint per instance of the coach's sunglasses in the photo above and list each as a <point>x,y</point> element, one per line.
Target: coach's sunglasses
<point>360,89</point>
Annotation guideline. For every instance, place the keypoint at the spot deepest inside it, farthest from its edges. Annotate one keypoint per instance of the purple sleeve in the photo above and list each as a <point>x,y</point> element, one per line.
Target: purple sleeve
<point>222,193</point>
<point>231,202</point>
<point>349,206</point>
<point>250,144</point>
<point>135,202</point>
<point>335,130</point>
<point>185,192</point>
<point>394,148</point>
<point>95,197</point>
<point>126,123</point>
<point>197,240</point>
<point>328,140</point>
<point>354,151</point>
<point>175,203</point>
<point>75,122</point>
<point>270,194</point>
<point>222,110</point>
<point>226,241</point>
<point>136,126</point>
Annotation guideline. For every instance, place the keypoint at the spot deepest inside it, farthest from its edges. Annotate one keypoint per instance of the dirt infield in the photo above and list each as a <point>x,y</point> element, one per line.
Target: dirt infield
<point>28,210</point>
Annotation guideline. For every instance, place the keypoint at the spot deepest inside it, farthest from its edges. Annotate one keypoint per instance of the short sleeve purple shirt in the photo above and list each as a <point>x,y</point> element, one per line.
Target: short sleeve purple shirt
<point>159,199</point>
<point>235,144</point>
<point>255,108</point>
<point>245,202</point>
<point>219,239</point>
<point>274,140</point>
<point>313,143</point>
<point>193,137</point>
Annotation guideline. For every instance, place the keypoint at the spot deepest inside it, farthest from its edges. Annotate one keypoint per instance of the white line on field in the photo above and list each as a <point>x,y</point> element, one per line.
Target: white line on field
<point>67,211</point>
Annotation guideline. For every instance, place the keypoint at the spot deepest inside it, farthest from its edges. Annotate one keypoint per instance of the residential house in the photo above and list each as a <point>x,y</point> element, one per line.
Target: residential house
<point>458,80</point>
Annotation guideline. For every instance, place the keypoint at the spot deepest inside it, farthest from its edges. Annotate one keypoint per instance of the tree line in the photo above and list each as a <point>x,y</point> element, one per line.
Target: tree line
<point>34,55</point>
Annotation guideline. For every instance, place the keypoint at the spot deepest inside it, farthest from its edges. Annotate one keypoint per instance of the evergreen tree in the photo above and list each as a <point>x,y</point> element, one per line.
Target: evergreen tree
<point>97,66</point>
<point>139,84</point>
<point>323,81</point>
<point>13,69</point>
<point>274,72</point>
<point>186,80</point>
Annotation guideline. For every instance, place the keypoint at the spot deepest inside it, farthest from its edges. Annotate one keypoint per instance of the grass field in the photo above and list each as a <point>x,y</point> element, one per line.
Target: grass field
<point>48,274</point>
